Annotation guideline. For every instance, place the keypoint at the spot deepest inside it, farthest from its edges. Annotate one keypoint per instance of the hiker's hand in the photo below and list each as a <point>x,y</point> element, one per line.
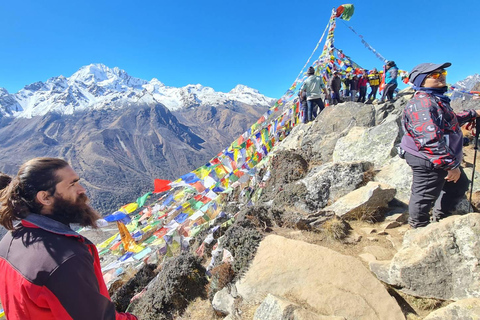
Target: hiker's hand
<point>478,113</point>
<point>453,175</point>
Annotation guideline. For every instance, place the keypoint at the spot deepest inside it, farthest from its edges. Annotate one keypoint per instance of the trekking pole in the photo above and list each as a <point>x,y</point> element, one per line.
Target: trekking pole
<point>477,133</point>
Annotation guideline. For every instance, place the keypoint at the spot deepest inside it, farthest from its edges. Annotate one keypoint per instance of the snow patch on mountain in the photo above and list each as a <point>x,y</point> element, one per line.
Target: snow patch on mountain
<point>469,82</point>
<point>96,87</point>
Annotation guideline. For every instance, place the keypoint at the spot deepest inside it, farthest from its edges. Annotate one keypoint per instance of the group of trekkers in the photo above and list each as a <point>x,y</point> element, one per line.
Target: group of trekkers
<point>348,87</point>
<point>432,143</point>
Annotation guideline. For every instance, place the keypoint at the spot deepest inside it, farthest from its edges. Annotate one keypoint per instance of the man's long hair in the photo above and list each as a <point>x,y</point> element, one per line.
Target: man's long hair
<point>4,181</point>
<point>18,199</point>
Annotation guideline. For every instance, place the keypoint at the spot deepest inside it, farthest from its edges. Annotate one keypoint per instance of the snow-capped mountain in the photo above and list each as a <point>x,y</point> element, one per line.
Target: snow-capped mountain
<point>469,82</point>
<point>96,87</point>
<point>130,131</point>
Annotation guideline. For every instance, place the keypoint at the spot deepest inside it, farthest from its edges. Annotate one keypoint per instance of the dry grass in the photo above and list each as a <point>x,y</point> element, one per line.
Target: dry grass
<point>367,214</point>
<point>336,228</point>
<point>425,304</point>
<point>199,309</point>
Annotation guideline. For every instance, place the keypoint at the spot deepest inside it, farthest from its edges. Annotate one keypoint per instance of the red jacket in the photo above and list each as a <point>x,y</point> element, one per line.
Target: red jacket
<point>48,271</point>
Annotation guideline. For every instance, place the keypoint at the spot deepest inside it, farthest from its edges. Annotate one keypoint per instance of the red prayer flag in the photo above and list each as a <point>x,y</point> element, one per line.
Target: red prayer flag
<point>161,185</point>
<point>215,160</point>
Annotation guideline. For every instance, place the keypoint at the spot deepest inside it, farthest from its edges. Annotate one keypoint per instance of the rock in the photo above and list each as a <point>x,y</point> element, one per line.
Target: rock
<point>328,182</point>
<point>380,253</point>
<point>390,225</point>
<point>367,257</point>
<point>439,261</point>
<point>463,207</point>
<point>302,314</point>
<point>325,281</point>
<point>397,217</point>
<point>391,111</point>
<point>368,144</point>
<point>344,116</point>
<point>294,140</point>
<point>366,202</point>
<point>223,302</point>
<point>395,241</point>
<point>476,178</point>
<point>353,238</point>
<point>476,200</point>
<point>397,173</point>
<point>273,308</point>
<point>317,142</point>
<point>466,309</point>
<point>369,230</point>
<point>373,239</point>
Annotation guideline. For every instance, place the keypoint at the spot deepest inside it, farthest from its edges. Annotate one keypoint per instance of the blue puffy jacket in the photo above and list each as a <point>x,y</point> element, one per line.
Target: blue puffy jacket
<point>391,75</point>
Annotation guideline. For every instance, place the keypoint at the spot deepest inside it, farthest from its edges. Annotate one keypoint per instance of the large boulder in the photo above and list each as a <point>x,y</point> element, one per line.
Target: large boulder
<point>368,144</point>
<point>275,308</point>
<point>466,309</point>
<point>391,111</point>
<point>330,181</point>
<point>439,261</point>
<point>366,203</point>
<point>397,173</point>
<point>344,116</point>
<point>328,283</point>
<point>316,141</point>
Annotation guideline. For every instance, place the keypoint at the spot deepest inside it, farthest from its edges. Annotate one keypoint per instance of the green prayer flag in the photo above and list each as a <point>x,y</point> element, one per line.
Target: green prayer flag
<point>141,201</point>
<point>348,10</point>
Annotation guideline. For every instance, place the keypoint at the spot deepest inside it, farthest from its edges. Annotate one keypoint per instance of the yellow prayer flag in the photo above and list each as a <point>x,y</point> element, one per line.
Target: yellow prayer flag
<point>129,208</point>
<point>105,243</point>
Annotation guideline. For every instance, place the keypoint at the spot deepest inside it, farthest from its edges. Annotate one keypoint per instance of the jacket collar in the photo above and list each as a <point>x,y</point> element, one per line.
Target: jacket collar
<point>47,224</point>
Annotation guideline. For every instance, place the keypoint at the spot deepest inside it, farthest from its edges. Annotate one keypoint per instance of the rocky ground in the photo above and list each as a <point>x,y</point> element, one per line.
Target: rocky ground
<point>321,233</point>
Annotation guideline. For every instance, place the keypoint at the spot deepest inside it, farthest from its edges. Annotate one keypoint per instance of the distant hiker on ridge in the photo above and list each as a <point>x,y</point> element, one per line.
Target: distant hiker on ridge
<point>433,144</point>
<point>47,270</point>
<point>353,83</point>
<point>391,73</point>
<point>374,81</point>
<point>362,85</point>
<point>313,86</point>
<point>335,86</point>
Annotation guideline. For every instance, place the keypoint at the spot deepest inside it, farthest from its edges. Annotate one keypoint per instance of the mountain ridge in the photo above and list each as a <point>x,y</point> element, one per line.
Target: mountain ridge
<point>97,86</point>
<point>117,133</point>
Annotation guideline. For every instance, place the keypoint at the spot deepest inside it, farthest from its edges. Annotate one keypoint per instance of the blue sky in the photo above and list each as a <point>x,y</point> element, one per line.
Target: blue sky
<point>261,44</point>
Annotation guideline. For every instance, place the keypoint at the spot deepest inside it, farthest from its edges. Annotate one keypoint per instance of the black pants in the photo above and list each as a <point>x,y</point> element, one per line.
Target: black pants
<point>336,97</point>
<point>428,186</point>
<point>373,93</point>
<point>363,94</point>
<point>388,92</point>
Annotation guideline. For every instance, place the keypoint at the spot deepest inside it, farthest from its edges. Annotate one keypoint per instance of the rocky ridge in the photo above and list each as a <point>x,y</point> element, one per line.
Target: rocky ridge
<point>320,233</point>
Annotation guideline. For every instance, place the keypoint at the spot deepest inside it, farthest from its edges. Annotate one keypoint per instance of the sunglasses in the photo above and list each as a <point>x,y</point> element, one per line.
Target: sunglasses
<point>437,74</point>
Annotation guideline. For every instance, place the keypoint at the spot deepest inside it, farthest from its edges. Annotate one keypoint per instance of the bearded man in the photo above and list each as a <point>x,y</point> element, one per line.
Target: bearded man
<point>47,270</point>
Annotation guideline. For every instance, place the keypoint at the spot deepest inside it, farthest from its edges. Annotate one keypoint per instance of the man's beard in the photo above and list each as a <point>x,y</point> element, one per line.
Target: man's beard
<point>78,211</point>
